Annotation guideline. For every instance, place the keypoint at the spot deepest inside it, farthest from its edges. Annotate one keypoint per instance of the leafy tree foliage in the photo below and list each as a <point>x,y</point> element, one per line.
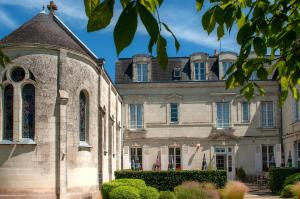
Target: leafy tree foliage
<point>263,25</point>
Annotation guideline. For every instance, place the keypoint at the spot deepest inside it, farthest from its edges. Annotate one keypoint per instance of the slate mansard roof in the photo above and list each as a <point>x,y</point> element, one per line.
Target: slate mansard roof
<point>47,29</point>
<point>124,70</point>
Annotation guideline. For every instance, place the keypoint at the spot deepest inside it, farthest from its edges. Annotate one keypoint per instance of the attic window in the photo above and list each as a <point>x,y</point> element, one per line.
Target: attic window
<point>176,74</point>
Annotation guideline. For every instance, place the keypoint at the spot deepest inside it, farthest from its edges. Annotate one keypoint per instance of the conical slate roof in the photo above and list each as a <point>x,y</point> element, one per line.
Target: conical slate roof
<point>46,29</point>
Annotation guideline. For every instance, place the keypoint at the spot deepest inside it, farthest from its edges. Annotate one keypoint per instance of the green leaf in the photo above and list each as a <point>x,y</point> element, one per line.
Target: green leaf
<point>150,45</point>
<point>284,82</point>
<point>295,93</point>
<point>248,91</point>
<point>124,3</point>
<point>230,82</point>
<point>126,27</point>
<point>244,34</point>
<point>90,6</point>
<point>220,32</point>
<point>229,16</point>
<point>260,89</point>
<point>241,21</point>
<point>260,47</point>
<point>282,68</point>
<point>199,4</point>
<point>219,15</point>
<point>161,51</point>
<point>177,45</point>
<point>283,95</point>
<point>4,59</point>
<point>262,73</point>
<point>208,21</point>
<point>149,22</point>
<point>101,16</point>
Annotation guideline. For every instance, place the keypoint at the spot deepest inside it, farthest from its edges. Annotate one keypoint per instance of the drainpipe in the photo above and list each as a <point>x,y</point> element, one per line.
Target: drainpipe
<point>281,132</point>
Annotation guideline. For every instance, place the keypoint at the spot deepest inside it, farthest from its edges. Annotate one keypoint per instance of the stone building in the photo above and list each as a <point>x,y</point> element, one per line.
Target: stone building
<point>183,117</point>
<point>291,132</point>
<point>60,129</point>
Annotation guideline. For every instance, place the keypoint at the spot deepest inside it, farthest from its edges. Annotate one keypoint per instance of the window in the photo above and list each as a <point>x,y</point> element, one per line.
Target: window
<point>296,111</point>
<point>222,115</point>
<point>8,107</point>
<point>268,158</point>
<point>267,116</point>
<point>83,116</point>
<point>174,112</point>
<point>142,72</point>
<point>176,74</point>
<point>136,116</point>
<point>174,158</point>
<point>28,111</point>
<point>298,153</point>
<point>254,76</point>
<point>200,71</point>
<point>245,112</point>
<point>229,163</point>
<point>136,156</point>
<point>226,66</point>
<point>18,74</point>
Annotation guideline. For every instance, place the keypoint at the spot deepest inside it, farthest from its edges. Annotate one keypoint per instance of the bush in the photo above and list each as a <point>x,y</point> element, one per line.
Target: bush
<point>124,192</point>
<point>287,192</point>
<point>296,190</point>
<point>149,193</point>
<point>108,187</point>
<point>278,176</point>
<point>137,183</point>
<point>195,190</point>
<point>292,179</point>
<point>167,180</point>
<point>166,195</point>
<point>234,190</point>
<point>241,174</point>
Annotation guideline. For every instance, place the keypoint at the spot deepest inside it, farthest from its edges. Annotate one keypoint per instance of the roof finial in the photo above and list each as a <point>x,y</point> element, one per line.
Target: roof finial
<point>52,7</point>
<point>43,10</point>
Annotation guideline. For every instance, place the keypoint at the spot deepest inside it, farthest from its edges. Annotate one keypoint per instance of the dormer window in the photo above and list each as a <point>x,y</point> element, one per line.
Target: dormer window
<point>142,72</point>
<point>176,74</point>
<point>200,72</point>
<point>226,66</point>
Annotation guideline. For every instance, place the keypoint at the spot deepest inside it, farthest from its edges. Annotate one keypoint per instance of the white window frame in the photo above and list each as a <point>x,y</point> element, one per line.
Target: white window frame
<point>139,165</point>
<point>223,67</point>
<point>267,125</point>
<point>242,108</point>
<point>222,125</point>
<point>177,77</point>
<point>197,75</point>
<point>174,158</point>
<point>142,72</point>
<point>134,124</point>
<point>268,156</point>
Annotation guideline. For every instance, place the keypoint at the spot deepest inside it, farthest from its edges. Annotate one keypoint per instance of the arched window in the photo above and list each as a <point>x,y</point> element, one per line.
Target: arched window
<point>28,111</point>
<point>83,116</point>
<point>8,112</point>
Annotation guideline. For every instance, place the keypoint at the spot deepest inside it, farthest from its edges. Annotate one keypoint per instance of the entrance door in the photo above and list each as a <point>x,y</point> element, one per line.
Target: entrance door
<point>224,161</point>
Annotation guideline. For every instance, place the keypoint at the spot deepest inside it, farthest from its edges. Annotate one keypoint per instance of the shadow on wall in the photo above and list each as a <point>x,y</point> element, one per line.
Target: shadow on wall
<point>10,151</point>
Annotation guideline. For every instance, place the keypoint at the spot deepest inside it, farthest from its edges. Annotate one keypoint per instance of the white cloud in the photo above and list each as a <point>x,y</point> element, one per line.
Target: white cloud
<point>7,20</point>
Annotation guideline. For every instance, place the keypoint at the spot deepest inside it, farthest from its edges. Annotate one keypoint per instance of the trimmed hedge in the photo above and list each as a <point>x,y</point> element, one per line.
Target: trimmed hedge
<point>137,183</point>
<point>106,188</point>
<point>167,180</point>
<point>278,176</point>
<point>124,192</point>
<point>149,193</point>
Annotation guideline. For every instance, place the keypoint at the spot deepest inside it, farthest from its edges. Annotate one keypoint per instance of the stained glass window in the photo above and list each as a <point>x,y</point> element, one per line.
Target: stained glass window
<point>8,113</point>
<point>18,74</point>
<point>28,110</point>
<point>83,116</point>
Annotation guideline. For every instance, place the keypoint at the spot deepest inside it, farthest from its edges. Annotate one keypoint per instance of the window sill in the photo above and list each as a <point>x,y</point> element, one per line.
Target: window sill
<point>21,142</point>
<point>174,123</point>
<point>84,145</point>
<point>137,130</point>
<point>268,128</point>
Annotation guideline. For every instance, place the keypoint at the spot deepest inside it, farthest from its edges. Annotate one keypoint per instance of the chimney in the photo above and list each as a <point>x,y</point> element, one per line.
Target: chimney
<point>52,7</point>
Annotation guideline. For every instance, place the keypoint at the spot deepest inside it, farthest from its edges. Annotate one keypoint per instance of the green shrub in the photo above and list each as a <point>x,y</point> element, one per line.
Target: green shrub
<point>287,191</point>
<point>124,192</point>
<point>137,183</point>
<point>166,195</point>
<point>278,176</point>
<point>167,180</point>
<point>241,174</point>
<point>106,188</point>
<point>292,179</point>
<point>149,193</point>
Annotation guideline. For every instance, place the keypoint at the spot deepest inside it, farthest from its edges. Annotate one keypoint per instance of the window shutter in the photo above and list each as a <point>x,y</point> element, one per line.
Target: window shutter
<point>258,158</point>
<point>278,155</point>
<point>126,160</point>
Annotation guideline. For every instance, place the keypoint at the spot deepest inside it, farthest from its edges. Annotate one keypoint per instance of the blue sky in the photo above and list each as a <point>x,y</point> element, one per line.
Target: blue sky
<point>181,16</point>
